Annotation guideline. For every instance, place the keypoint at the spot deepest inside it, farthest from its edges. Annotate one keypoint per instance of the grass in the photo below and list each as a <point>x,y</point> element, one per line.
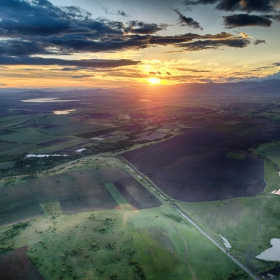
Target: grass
<point>247,223</point>
<point>101,244</point>
<point>118,197</point>
<point>52,208</point>
<point>60,146</point>
<point>30,136</point>
<point>270,153</point>
<point>235,155</point>
<point>158,259</point>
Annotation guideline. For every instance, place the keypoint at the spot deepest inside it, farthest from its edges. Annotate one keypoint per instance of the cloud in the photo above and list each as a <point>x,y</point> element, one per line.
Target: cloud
<point>275,16</point>
<point>239,5</point>
<point>95,63</point>
<point>119,13</point>
<point>215,44</point>
<point>122,13</point>
<point>80,76</point>
<point>241,20</point>
<point>244,35</point>
<point>140,27</point>
<point>198,2</point>
<point>192,70</point>
<point>32,28</point>
<point>258,41</point>
<point>187,21</point>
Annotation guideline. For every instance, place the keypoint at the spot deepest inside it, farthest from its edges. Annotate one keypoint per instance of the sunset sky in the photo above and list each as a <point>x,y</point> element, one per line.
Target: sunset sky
<point>114,43</point>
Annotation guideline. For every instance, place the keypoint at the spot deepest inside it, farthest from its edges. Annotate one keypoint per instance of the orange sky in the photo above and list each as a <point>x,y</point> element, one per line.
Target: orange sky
<point>122,43</point>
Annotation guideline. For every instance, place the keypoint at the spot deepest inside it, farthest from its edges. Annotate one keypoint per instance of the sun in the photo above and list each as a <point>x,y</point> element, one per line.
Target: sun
<point>153,81</point>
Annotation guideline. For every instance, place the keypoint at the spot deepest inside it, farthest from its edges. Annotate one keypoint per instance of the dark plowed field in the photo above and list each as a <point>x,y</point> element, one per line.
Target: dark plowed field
<point>195,166</point>
<point>56,141</point>
<point>17,203</point>
<point>136,194</point>
<point>16,265</point>
<point>76,191</point>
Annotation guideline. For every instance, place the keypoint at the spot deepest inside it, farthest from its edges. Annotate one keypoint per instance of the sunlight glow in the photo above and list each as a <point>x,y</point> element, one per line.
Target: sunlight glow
<point>153,81</point>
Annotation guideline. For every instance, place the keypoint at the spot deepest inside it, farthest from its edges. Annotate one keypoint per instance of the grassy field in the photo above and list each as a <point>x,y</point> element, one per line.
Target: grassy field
<point>115,244</point>
<point>30,136</point>
<point>247,223</point>
<point>157,254</point>
<point>270,153</point>
<point>119,198</point>
<point>71,141</point>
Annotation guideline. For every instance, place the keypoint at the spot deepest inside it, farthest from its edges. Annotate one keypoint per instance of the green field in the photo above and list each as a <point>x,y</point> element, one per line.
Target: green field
<point>73,141</point>
<point>52,208</point>
<point>270,153</point>
<point>119,198</point>
<point>157,254</point>
<point>30,136</point>
<point>247,223</point>
<point>141,244</point>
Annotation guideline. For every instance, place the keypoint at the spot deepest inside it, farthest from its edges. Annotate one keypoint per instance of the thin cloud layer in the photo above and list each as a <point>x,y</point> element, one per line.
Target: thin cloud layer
<point>84,63</point>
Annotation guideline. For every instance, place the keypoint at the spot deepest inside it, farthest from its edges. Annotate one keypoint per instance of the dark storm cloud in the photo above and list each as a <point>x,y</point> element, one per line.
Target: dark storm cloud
<point>246,20</point>
<point>187,21</point>
<point>95,63</point>
<point>37,27</point>
<point>215,44</point>
<point>239,5</point>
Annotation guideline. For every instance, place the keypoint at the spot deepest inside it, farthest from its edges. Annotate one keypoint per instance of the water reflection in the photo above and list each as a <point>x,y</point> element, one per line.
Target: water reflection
<point>43,100</point>
<point>64,112</point>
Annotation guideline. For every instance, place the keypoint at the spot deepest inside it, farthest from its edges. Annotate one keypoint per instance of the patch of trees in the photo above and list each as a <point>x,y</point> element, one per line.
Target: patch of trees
<point>6,238</point>
<point>110,147</point>
<point>138,269</point>
<point>31,166</point>
<point>237,275</point>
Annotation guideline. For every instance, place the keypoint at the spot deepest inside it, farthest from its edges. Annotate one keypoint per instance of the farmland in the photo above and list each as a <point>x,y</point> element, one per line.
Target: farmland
<point>73,191</point>
<point>189,168</point>
<point>88,215</point>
